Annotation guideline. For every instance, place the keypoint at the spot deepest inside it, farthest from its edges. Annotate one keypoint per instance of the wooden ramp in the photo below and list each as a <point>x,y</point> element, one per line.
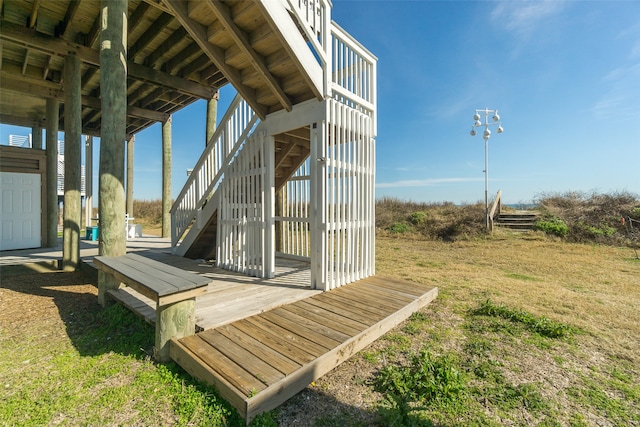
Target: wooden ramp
<point>259,362</point>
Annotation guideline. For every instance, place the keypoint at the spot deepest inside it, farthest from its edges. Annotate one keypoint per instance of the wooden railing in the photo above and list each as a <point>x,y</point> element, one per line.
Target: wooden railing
<point>349,68</point>
<point>496,208</point>
<point>353,73</point>
<point>233,130</point>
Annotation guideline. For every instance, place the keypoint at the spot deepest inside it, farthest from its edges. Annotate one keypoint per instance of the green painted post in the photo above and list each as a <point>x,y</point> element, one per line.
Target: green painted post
<point>72,208</point>
<point>130,144</point>
<point>36,137</point>
<point>53,116</point>
<point>212,116</point>
<point>166,178</point>
<point>113,87</point>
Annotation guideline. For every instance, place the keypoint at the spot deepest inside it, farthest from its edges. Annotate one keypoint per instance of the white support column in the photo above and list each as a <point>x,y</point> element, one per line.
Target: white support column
<point>318,207</point>
<point>88,181</point>
<point>269,257</point>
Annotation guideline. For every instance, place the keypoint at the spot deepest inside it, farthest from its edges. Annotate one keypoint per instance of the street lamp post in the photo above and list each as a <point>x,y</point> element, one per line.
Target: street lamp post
<point>486,135</point>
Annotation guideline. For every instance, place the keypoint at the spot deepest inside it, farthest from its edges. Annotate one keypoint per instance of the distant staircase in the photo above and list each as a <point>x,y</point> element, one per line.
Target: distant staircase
<point>517,220</point>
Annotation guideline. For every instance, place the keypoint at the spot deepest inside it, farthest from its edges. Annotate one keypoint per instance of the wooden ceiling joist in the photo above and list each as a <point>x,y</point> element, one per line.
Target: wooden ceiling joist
<point>52,90</point>
<point>242,40</point>
<point>29,38</point>
<point>156,28</point>
<point>178,52</point>
<point>174,39</point>
<point>217,55</point>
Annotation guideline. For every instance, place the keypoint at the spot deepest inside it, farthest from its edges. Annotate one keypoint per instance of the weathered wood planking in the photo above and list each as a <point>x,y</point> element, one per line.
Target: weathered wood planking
<point>259,362</point>
<point>136,302</point>
<point>172,290</point>
<point>163,283</point>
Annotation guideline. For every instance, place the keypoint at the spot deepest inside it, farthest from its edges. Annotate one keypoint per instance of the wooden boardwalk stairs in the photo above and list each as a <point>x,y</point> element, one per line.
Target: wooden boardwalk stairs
<point>518,220</point>
<point>259,362</point>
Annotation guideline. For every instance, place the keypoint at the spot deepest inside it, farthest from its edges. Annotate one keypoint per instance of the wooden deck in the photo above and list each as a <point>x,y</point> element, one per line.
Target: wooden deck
<point>230,296</point>
<point>264,340</point>
<point>259,362</point>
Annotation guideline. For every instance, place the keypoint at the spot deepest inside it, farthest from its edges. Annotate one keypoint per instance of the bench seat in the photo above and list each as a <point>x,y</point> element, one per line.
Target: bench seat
<point>174,291</point>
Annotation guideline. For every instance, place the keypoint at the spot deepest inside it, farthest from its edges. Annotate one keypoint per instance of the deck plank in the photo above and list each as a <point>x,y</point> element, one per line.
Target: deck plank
<point>226,368</point>
<point>316,317</point>
<point>327,317</point>
<point>298,341</point>
<point>327,331</point>
<point>301,330</point>
<point>273,341</point>
<point>264,352</point>
<point>366,301</point>
<point>344,311</point>
<point>261,370</point>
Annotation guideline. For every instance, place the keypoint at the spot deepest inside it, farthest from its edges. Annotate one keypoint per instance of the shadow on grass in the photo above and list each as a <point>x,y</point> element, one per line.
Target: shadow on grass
<point>95,331</point>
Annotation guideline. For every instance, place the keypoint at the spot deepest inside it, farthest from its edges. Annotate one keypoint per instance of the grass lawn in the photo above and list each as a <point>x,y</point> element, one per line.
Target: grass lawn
<point>526,331</point>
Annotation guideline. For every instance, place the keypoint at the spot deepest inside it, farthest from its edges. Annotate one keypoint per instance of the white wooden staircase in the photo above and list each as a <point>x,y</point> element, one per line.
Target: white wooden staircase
<point>306,98</point>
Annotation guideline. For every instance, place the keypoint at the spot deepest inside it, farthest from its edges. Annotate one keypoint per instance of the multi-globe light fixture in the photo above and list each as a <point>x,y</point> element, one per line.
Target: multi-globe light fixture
<point>486,134</point>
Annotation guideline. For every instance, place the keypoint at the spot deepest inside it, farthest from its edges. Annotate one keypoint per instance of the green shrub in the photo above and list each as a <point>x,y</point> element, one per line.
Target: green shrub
<point>418,218</point>
<point>399,228</point>
<point>604,231</point>
<point>554,226</point>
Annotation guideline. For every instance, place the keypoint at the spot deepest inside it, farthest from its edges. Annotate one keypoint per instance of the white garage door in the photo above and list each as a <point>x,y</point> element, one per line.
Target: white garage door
<point>20,211</point>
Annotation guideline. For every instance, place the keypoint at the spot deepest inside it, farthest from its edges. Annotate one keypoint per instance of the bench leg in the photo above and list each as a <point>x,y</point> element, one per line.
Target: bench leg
<point>106,282</point>
<point>173,320</point>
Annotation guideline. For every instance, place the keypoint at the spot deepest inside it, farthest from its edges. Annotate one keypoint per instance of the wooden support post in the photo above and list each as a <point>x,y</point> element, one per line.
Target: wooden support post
<point>173,320</point>
<point>166,178</point>
<point>36,137</point>
<point>72,160</point>
<point>113,85</point>
<point>53,116</point>
<point>130,144</point>
<point>88,181</point>
<point>212,116</point>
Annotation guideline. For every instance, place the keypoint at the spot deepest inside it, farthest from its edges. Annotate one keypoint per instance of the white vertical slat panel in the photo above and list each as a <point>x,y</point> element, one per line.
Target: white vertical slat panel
<point>268,204</point>
<point>318,214</point>
<point>330,207</point>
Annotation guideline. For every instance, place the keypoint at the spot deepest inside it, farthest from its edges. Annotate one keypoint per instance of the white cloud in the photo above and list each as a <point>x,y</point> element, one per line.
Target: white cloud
<point>523,17</point>
<point>622,99</point>
<point>425,182</point>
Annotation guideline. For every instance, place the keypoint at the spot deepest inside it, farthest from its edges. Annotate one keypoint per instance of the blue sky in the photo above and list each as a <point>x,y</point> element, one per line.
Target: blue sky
<point>565,76</point>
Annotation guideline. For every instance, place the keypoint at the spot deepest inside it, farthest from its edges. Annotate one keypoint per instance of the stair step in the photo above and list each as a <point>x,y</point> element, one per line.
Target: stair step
<point>519,226</point>
<point>518,220</point>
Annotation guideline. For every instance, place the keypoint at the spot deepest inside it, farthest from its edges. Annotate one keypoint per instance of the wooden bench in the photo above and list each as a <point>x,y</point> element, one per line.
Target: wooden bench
<point>173,290</point>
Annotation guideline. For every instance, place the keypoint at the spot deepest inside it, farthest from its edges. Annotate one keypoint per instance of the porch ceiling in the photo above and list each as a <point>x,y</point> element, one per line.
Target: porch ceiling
<point>178,52</point>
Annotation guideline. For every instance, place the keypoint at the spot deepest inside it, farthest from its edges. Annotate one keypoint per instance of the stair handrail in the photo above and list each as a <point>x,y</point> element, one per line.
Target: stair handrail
<point>497,205</point>
<point>314,16</point>
<point>234,128</point>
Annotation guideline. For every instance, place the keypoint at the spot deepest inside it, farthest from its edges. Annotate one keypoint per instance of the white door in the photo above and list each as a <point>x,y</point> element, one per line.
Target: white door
<point>20,215</point>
